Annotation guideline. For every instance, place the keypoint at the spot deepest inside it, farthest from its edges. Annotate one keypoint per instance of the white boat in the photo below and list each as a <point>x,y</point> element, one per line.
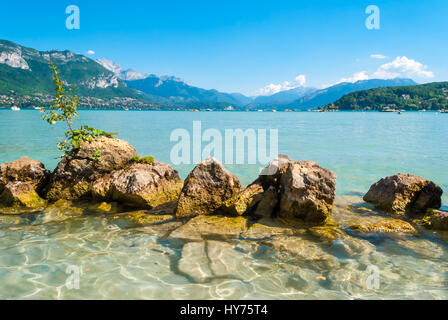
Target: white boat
<point>15,108</point>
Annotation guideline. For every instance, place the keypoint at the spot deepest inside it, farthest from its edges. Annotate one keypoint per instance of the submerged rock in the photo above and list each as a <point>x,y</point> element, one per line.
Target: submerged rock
<point>206,189</point>
<point>267,228</point>
<point>104,207</point>
<point>405,194</point>
<point>142,217</point>
<point>384,225</point>
<point>211,227</point>
<point>21,181</point>
<point>307,192</point>
<point>327,233</point>
<point>302,249</point>
<point>73,177</point>
<point>203,261</point>
<point>139,185</point>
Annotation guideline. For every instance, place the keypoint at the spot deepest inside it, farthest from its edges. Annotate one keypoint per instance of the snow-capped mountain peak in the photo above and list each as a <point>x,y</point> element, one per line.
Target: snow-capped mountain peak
<point>110,65</point>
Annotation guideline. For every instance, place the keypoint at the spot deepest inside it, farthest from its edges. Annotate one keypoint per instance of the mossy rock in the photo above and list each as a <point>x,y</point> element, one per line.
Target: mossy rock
<point>21,194</point>
<point>144,160</point>
<point>434,219</point>
<point>211,227</point>
<point>384,225</point>
<point>81,190</point>
<point>266,228</point>
<point>105,207</point>
<point>142,217</point>
<point>327,233</point>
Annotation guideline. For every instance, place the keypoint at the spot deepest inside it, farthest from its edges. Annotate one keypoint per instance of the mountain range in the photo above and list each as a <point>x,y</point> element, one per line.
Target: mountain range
<point>324,96</point>
<point>25,81</point>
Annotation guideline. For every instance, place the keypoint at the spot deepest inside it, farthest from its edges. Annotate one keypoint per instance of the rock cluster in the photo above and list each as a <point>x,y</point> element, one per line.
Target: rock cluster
<point>111,176</point>
<point>211,203</point>
<point>290,189</point>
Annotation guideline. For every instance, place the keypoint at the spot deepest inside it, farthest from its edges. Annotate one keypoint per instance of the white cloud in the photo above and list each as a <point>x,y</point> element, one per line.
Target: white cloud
<point>355,77</point>
<point>90,52</point>
<point>301,80</point>
<point>272,88</point>
<point>403,67</point>
<point>378,56</point>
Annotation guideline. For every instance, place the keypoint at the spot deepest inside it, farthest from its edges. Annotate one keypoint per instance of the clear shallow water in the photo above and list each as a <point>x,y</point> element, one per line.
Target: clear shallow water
<point>131,263</point>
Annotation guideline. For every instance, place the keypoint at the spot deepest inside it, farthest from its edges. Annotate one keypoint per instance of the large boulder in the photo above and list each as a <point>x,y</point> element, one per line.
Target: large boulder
<point>206,189</point>
<point>139,185</point>
<point>405,194</point>
<point>21,182</point>
<point>74,175</point>
<point>307,192</point>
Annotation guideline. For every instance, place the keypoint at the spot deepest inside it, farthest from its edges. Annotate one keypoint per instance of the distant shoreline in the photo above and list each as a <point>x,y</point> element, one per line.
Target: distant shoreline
<point>230,111</point>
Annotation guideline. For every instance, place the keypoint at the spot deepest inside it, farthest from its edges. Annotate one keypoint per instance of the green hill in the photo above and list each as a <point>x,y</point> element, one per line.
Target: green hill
<point>430,96</point>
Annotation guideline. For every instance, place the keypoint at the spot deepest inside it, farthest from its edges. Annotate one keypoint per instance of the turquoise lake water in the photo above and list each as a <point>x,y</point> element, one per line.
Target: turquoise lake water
<point>361,147</point>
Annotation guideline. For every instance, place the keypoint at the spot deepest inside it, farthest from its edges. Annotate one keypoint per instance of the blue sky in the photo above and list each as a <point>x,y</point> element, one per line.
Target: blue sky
<point>243,46</point>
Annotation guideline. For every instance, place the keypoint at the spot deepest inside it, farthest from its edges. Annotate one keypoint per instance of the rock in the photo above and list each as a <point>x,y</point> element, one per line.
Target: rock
<point>21,194</point>
<point>268,204</point>
<point>270,176</point>
<point>23,170</point>
<point>206,189</point>
<point>436,219</point>
<point>211,227</point>
<point>384,225</point>
<point>307,192</point>
<point>404,194</point>
<point>245,201</point>
<point>140,185</point>
<point>74,175</point>
<point>21,181</point>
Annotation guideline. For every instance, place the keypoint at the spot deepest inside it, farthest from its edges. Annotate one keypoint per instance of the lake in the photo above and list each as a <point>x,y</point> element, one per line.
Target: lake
<point>127,263</point>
